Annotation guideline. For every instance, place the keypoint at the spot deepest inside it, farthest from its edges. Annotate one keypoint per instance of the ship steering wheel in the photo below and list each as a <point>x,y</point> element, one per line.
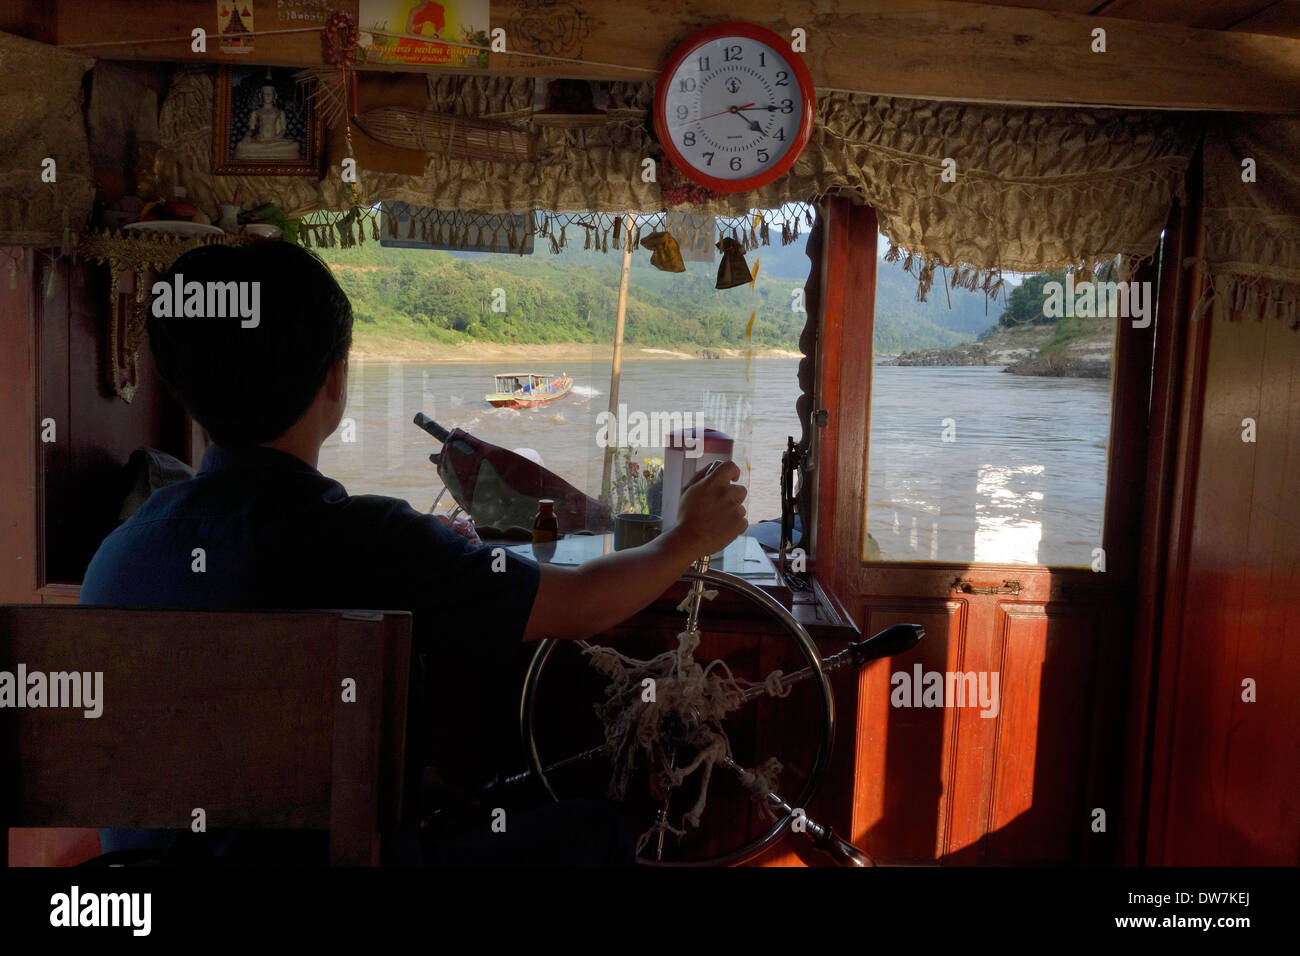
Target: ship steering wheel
<point>670,754</point>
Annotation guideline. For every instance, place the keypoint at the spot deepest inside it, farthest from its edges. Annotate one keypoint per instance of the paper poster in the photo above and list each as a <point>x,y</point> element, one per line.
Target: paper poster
<point>296,13</point>
<point>460,21</point>
<point>234,25</point>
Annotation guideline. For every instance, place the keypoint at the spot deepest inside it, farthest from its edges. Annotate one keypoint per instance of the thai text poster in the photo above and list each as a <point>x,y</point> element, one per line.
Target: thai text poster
<point>395,25</point>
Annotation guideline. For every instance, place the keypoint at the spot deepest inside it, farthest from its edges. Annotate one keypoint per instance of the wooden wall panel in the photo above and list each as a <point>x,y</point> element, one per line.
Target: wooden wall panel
<point>1225,771</point>
<point>33,19</point>
<point>1263,752</point>
<point>19,552</point>
<point>1162,495</point>
<point>97,430</point>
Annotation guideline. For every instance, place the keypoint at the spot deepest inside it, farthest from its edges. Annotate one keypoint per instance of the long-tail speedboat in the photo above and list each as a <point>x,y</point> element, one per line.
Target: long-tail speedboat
<point>528,389</point>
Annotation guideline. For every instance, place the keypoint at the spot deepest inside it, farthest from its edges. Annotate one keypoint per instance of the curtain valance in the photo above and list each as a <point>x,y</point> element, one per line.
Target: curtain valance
<point>1252,216</point>
<point>974,189</point>
<point>41,119</point>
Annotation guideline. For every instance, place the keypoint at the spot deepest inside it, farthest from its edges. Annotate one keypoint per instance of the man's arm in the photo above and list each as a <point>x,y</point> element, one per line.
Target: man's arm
<point>573,603</point>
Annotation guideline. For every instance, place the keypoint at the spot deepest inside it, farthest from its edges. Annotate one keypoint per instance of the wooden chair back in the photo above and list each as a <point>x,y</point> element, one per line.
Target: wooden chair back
<point>261,719</point>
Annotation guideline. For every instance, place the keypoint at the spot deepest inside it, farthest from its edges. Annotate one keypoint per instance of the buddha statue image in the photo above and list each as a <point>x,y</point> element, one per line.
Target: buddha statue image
<point>265,138</point>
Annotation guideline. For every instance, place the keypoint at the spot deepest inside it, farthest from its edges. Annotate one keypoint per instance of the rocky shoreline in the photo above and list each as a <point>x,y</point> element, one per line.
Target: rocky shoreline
<point>1032,350</point>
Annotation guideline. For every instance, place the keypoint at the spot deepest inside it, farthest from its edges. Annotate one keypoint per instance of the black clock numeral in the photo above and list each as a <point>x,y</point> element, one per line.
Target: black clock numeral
<point>689,138</point>
<point>732,52</point>
<point>704,64</point>
<point>780,133</point>
<point>735,164</point>
<point>762,59</point>
<point>762,156</point>
<point>683,112</point>
<point>708,159</point>
<point>688,84</point>
<point>787,106</point>
<point>782,78</point>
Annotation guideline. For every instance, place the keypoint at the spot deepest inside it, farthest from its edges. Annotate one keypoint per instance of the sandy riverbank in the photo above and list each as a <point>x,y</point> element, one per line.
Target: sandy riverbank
<point>380,349</point>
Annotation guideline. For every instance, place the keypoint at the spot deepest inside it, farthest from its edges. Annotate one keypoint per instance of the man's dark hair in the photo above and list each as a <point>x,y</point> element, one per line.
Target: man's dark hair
<point>248,385</point>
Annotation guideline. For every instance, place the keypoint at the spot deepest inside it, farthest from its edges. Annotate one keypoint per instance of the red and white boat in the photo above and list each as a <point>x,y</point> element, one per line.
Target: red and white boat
<point>528,389</point>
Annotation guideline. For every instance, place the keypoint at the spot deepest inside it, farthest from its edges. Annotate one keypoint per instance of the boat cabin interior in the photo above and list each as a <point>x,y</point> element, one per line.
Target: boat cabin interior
<point>521,382</point>
<point>993,307</point>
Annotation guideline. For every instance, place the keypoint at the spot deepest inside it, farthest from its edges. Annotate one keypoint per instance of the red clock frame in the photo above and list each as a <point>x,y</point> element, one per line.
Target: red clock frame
<point>797,143</point>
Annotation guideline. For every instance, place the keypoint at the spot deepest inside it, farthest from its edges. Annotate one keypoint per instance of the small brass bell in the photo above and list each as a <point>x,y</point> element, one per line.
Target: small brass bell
<point>733,270</point>
<point>667,255</point>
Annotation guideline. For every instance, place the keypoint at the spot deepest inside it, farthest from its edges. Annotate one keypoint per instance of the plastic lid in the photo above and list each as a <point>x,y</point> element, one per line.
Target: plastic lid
<point>713,442</point>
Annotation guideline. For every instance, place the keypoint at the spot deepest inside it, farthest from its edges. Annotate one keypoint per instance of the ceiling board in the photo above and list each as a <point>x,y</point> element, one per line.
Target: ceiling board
<point>1205,14</point>
<point>1269,17</point>
<point>929,49</point>
<point>1056,6</point>
<point>1281,19</point>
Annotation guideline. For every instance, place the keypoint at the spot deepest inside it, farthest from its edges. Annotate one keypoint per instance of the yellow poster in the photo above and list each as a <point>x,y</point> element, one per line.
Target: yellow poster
<point>408,31</point>
<point>235,25</point>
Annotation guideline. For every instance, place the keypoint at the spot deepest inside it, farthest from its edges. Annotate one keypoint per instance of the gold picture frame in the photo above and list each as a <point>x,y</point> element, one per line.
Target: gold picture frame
<point>265,124</point>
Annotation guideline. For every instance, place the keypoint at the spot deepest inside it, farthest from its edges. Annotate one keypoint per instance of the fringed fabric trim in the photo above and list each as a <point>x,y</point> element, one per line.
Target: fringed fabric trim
<point>991,282</point>
<point>1248,297</point>
<point>602,232</point>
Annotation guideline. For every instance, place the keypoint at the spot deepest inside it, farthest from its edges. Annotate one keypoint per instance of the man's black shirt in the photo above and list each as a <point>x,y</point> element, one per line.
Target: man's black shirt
<point>260,528</point>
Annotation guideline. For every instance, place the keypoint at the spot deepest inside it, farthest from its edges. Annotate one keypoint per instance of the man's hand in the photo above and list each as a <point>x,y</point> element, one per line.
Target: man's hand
<point>710,514</point>
<point>579,602</point>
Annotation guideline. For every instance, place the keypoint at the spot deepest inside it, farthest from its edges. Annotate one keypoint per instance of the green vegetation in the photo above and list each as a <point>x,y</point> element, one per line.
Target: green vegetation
<point>447,298</point>
<point>1025,303</point>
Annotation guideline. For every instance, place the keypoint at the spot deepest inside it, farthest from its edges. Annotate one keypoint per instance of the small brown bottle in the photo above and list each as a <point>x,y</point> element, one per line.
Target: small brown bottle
<point>546,527</point>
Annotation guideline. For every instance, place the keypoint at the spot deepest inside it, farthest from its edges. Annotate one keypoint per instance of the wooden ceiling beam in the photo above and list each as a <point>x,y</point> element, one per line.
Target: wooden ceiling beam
<point>931,49</point>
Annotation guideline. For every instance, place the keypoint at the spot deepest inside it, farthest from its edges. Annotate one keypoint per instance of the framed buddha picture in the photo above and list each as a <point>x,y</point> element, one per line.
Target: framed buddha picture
<point>265,124</point>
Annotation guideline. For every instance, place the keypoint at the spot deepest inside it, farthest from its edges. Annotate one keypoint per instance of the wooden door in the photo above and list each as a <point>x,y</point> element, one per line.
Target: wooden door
<point>1036,777</point>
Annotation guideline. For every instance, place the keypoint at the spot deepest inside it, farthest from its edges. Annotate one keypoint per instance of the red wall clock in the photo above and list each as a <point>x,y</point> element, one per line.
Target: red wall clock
<point>734,107</point>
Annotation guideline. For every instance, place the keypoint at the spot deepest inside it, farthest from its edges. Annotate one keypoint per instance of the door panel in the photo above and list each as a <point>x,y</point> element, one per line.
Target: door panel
<point>904,823</point>
<point>943,783</point>
<point>1048,670</point>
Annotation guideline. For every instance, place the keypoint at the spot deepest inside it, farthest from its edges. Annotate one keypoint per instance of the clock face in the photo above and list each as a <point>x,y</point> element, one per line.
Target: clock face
<point>734,107</point>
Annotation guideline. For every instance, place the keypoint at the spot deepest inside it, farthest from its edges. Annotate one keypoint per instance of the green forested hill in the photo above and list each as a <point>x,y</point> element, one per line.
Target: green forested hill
<point>572,297</point>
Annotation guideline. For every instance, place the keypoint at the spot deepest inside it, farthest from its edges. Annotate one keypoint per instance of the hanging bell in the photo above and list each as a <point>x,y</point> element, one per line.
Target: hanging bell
<point>732,271</point>
<point>667,256</point>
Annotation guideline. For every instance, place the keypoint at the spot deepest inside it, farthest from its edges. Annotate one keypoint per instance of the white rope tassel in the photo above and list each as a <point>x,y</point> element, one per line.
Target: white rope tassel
<point>684,713</point>
<point>774,686</point>
<point>682,686</point>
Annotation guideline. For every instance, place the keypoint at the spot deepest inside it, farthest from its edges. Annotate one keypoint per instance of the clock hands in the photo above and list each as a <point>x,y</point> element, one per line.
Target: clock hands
<point>737,110</point>
<point>729,109</point>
